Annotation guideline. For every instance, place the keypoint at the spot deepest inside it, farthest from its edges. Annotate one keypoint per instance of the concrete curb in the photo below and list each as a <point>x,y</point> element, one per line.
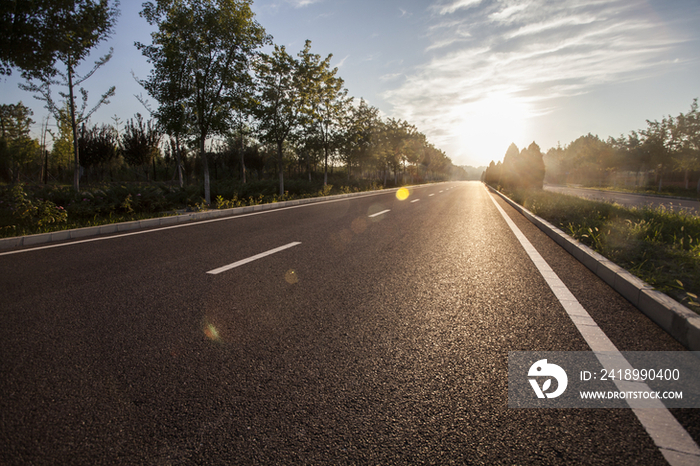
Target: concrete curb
<point>82,233</point>
<point>679,321</point>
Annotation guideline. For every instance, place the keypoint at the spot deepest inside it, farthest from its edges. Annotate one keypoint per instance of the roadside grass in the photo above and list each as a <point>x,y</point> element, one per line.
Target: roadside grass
<point>658,245</point>
<point>28,210</point>
<point>671,191</point>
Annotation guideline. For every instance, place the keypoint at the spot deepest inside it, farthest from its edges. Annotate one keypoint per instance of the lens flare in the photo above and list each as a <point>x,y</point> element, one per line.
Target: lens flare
<point>402,194</point>
<point>358,225</point>
<point>211,332</point>
<point>291,277</point>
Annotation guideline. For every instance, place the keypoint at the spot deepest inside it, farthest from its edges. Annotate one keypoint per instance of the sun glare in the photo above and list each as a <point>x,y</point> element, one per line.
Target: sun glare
<point>490,125</point>
<point>402,194</point>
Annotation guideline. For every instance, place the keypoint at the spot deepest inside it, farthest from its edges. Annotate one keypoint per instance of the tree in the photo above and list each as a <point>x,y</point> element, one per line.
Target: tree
<point>242,96</point>
<point>281,101</point>
<point>325,98</point>
<point>17,148</point>
<point>520,169</point>
<point>509,171</point>
<point>98,146</point>
<point>79,26</point>
<point>30,34</point>
<point>62,150</point>
<point>685,142</point>
<point>202,51</point>
<point>140,143</point>
<point>532,169</point>
<point>655,146</point>
<point>393,140</point>
<point>361,124</point>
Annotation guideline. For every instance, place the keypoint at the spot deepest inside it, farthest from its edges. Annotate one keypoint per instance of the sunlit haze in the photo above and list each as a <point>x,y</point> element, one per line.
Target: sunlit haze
<point>473,75</point>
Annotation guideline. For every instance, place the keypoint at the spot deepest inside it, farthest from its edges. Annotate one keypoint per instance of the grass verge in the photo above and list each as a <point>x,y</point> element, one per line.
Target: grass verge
<point>658,245</point>
<point>669,191</point>
<point>28,210</point>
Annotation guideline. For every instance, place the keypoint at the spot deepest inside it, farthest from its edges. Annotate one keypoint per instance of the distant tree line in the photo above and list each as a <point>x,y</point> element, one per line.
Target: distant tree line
<point>520,169</point>
<point>223,107</point>
<point>665,152</point>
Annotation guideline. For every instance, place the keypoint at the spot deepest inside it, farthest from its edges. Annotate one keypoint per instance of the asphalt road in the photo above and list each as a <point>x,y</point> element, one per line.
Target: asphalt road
<point>376,340</point>
<point>628,199</point>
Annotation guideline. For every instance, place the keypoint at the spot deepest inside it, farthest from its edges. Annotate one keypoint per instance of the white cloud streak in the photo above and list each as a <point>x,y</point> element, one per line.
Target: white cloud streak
<point>457,5</point>
<point>302,3</point>
<point>342,62</point>
<point>526,52</point>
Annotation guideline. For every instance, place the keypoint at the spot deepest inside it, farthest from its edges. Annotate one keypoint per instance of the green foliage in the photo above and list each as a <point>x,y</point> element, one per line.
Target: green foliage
<point>140,142</point>
<point>77,28</point>
<point>17,148</point>
<point>658,245</point>
<point>35,32</point>
<point>98,145</point>
<point>325,101</point>
<point>201,54</point>
<point>62,150</point>
<point>326,190</point>
<point>21,211</point>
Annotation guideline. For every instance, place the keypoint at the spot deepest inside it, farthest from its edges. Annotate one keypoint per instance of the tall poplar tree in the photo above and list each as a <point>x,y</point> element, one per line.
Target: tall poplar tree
<point>281,100</point>
<point>72,28</point>
<point>202,50</point>
<point>327,103</point>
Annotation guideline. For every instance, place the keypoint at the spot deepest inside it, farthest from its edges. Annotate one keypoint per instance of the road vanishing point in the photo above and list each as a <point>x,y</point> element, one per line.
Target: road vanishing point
<point>365,330</point>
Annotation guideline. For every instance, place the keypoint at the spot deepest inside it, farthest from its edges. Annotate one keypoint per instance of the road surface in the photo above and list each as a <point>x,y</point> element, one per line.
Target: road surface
<point>361,331</point>
<point>628,199</point>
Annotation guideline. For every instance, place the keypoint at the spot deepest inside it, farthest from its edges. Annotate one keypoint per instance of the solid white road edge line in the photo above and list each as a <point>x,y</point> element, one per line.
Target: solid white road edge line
<point>380,213</point>
<point>252,258</point>
<point>674,442</point>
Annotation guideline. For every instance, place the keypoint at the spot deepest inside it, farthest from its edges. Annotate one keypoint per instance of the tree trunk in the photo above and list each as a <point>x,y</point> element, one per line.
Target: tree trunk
<point>308,165</point>
<point>178,158</point>
<point>325,166</point>
<point>686,179</point>
<point>281,167</point>
<point>74,127</point>
<point>46,166</point>
<point>242,159</point>
<point>205,168</point>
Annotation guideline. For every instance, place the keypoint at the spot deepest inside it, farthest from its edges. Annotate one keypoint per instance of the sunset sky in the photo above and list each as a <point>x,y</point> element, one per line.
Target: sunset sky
<point>473,75</point>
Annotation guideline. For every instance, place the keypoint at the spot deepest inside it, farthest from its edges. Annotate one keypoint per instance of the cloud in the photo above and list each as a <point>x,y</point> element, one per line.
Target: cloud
<point>390,76</point>
<point>508,12</point>
<point>302,3</point>
<point>342,62</point>
<point>456,5</point>
<point>527,54</point>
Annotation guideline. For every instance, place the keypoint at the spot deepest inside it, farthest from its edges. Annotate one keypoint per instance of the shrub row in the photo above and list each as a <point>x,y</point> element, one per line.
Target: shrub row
<point>37,209</point>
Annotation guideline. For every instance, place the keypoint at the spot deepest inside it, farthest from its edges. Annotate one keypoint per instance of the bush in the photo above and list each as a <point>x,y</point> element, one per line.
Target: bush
<point>22,211</point>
